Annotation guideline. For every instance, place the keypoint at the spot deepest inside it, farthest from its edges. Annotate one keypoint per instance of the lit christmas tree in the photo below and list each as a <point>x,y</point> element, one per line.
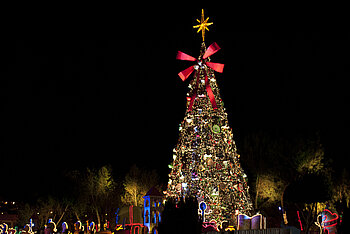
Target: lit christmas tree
<point>205,160</point>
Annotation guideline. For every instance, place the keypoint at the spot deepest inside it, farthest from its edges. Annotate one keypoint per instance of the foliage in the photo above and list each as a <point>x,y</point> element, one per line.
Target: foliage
<point>136,184</point>
<point>277,162</point>
<point>341,189</point>
<point>50,207</point>
<point>24,214</point>
<point>295,167</point>
<point>99,190</point>
<point>310,158</point>
<point>270,188</point>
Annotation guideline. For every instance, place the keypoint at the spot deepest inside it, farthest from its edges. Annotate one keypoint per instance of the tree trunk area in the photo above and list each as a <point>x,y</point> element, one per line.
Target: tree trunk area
<point>98,220</point>
<point>257,191</point>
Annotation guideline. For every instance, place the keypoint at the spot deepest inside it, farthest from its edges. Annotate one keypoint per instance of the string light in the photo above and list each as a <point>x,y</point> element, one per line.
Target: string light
<point>205,160</point>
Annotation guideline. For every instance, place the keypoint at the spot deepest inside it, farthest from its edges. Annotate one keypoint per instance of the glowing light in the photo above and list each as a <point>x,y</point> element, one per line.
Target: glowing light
<point>205,158</point>
<point>242,219</point>
<point>54,224</point>
<point>230,228</point>
<point>203,25</point>
<point>189,120</point>
<point>329,220</point>
<point>301,226</point>
<point>202,207</point>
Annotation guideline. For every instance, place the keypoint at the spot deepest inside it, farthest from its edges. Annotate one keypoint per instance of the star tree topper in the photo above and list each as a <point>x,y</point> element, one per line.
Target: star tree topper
<point>203,25</point>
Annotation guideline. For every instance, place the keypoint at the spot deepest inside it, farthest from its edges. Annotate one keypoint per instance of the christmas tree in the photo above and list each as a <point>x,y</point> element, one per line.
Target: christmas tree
<point>205,160</point>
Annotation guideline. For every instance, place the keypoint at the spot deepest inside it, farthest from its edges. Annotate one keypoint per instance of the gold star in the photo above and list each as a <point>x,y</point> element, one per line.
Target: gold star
<point>203,25</point>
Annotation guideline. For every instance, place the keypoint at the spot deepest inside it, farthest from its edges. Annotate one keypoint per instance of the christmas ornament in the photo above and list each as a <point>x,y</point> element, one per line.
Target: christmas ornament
<point>216,128</point>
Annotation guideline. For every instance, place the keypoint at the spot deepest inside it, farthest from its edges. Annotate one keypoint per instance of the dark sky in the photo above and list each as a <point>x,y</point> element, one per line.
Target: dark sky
<point>72,103</point>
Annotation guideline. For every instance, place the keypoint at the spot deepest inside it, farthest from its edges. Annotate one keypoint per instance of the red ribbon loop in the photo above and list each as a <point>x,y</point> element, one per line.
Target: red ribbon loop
<point>219,67</point>
<point>186,73</point>
<point>212,49</point>
<point>183,56</point>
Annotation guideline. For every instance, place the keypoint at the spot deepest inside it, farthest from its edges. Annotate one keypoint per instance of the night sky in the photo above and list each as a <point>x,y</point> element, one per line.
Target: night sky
<point>71,103</point>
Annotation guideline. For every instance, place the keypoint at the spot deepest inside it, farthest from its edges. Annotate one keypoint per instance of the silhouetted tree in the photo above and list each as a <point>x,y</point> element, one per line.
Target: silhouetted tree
<point>306,192</point>
<point>180,217</point>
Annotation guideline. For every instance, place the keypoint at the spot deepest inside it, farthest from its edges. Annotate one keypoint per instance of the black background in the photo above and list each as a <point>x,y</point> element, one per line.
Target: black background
<point>84,88</point>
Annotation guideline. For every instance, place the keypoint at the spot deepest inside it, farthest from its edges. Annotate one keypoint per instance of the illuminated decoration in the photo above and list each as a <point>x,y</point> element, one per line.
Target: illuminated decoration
<point>118,227</point>
<point>92,227</point>
<point>78,226</point>
<point>285,220</point>
<point>255,222</point>
<point>12,230</point>
<point>131,227</point>
<point>202,207</point>
<point>31,225</point>
<point>203,65</point>
<point>131,214</point>
<point>210,226</point>
<point>106,225</point>
<point>153,207</point>
<point>54,225</point>
<point>64,227</point>
<point>205,160</point>
<point>230,228</point>
<point>136,228</point>
<point>3,228</point>
<point>203,25</point>
<point>117,216</point>
<point>327,221</point>
<point>203,210</point>
<point>301,226</point>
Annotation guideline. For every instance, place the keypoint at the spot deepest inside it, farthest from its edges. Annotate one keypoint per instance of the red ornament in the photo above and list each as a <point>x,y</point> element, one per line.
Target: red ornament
<point>218,166</point>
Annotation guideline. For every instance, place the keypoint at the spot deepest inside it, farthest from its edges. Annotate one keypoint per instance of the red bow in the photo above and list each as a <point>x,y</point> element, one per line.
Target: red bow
<point>212,49</point>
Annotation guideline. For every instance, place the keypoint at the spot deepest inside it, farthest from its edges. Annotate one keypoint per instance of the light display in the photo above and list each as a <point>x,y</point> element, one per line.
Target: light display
<point>301,225</point>
<point>205,160</point>
<point>256,222</point>
<point>327,221</point>
<point>203,25</point>
<point>54,225</point>
<point>64,227</point>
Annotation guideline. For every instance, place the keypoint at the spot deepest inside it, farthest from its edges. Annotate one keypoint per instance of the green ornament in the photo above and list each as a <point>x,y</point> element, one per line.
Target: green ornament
<point>216,128</point>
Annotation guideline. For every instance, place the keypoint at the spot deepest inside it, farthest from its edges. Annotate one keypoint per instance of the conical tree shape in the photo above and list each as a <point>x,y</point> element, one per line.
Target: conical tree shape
<point>206,164</point>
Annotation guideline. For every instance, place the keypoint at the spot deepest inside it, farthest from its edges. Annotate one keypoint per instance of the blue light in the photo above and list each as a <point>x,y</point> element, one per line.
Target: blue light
<point>202,206</point>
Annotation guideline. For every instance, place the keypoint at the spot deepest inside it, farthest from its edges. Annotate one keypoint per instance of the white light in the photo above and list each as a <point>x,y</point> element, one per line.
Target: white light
<point>189,120</point>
